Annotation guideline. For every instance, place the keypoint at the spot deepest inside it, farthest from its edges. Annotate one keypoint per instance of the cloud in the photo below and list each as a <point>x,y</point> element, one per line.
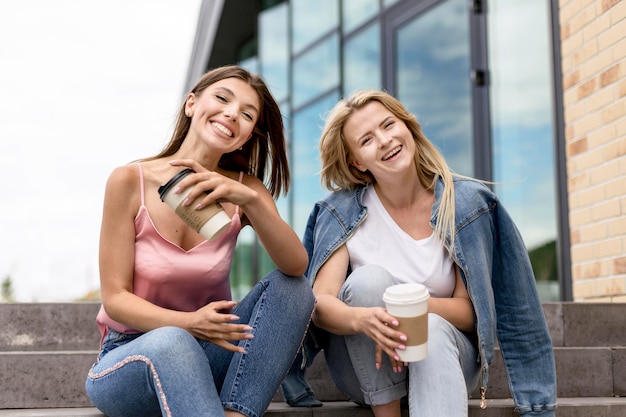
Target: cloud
<point>86,86</point>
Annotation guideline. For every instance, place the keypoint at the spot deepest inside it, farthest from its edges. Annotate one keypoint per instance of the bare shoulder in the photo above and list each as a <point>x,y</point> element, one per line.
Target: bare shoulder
<point>123,184</point>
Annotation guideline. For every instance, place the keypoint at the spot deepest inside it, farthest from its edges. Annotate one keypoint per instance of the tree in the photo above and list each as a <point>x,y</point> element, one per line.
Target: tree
<point>7,290</point>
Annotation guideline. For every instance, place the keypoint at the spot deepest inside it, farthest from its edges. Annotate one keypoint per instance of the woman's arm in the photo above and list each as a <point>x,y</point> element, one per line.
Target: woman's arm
<point>333,315</point>
<point>457,309</point>
<point>117,248</point>
<point>279,240</point>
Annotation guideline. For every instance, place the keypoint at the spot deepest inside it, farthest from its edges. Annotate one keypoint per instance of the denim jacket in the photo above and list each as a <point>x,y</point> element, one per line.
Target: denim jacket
<point>497,273</point>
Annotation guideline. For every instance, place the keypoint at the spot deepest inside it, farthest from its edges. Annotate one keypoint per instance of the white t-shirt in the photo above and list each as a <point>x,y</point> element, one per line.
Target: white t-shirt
<point>380,241</point>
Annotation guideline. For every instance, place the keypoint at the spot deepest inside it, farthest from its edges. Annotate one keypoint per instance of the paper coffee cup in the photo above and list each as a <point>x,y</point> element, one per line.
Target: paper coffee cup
<point>409,304</point>
<point>210,222</point>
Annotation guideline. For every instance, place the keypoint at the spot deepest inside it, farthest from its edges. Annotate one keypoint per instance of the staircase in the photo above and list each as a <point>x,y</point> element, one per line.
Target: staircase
<point>46,350</point>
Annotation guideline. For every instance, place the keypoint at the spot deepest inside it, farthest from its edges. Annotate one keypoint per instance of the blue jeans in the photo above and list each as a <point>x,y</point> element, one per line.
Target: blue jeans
<point>438,385</point>
<point>168,372</point>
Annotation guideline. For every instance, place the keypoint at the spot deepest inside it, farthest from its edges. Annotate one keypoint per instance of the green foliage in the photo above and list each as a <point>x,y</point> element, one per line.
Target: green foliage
<point>544,261</point>
<point>6,295</point>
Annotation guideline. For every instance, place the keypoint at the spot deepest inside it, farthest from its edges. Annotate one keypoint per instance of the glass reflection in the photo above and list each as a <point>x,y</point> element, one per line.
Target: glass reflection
<point>433,69</point>
<point>274,49</point>
<point>356,12</point>
<point>311,20</point>
<point>316,71</point>
<point>307,128</point>
<point>361,61</point>
<point>521,115</point>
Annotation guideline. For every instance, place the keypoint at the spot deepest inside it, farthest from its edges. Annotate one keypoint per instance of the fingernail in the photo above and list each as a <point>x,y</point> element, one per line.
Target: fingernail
<point>185,201</point>
<point>177,190</point>
<point>401,347</point>
<point>247,329</point>
<point>377,365</point>
<point>395,323</point>
<point>403,338</point>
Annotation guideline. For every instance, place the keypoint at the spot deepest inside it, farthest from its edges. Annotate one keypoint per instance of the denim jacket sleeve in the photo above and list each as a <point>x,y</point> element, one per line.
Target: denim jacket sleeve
<point>502,286</point>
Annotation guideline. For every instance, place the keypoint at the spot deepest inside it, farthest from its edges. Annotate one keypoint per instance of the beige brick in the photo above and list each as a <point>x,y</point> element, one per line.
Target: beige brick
<point>620,127</point>
<point>574,236</point>
<point>586,160</point>
<point>571,44</point>
<point>610,75</point>
<point>614,111</point>
<point>610,286</point>
<point>619,265</point>
<point>580,218</point>
<point>615,149</point>
<point>615,189</point>
<point>582,253</point>
<point>593,232</point>
<point>581,20</point>
<point>571,79</point>
<point>584,56</point>
<point>605,172</point>
<point>589,123</point>
<point>612,36</point>
<point>607,4</point>
<point>600,62</point>
<point>596,26</point>
<point>608,248</point>
<point>577,147</point>
<point>618,13</point>
<point>578,182</point>
<point>619,51</point>
<point>564,32</point>
<point>601,98</point>
<point>621,86</point>
<point>602,137</point>
<point>605,210</point>
<point>583,290</point>
<point>619,299</point>
<point>586,198</point>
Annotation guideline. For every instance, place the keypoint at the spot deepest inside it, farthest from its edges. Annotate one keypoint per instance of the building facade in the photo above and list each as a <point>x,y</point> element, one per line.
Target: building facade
<point>530,95</point>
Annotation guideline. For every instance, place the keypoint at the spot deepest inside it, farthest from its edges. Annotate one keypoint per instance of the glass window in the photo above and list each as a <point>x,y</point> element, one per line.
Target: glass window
<point>361,61</point>
<point>522,100</point>
<point>356,12</point>
<point>316,71</point>
<point>433,79</point>
<point>307,129</point>
<point>311,20</point>
<point>388,3</point>
<point>274,50</point>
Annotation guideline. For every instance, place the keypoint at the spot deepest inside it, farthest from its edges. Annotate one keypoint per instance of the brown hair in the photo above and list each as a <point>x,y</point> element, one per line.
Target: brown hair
<point>337,173</point>
<point>265,147</point>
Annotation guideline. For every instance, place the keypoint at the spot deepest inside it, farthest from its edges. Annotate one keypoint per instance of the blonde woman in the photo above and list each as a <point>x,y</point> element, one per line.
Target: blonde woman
<point>397,214</point>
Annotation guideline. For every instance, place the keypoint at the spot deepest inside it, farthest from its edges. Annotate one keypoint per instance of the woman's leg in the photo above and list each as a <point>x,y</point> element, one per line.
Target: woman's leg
<point>279,310</point>
<point>160,373</point>
<point>439,385</point>
<point>364,287</point>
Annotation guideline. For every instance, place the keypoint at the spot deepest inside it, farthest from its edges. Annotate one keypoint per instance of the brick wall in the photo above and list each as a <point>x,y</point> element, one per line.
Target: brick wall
<point>593,47</point>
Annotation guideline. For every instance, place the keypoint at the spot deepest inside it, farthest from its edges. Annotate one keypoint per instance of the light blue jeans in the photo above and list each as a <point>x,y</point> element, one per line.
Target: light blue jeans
<point>437,386</point>
<point>168,372</point>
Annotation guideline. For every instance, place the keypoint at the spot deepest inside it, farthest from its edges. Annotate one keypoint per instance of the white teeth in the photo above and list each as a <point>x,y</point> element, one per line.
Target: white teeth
<point>222,129</point>
<point>392,153</point>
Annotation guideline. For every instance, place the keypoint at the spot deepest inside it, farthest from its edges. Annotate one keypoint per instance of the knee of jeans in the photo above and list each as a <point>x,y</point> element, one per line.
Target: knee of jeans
<point>365,286</point>
<point>169,340</point>
<point>440,333</point>
<point>292,287</point>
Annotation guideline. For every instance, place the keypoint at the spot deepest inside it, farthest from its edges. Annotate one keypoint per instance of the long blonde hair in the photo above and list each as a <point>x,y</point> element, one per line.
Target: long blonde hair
<point>338,174</point>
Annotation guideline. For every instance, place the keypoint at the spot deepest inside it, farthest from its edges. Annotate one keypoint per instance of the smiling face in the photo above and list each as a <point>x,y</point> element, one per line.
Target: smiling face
<point>224,114</point>
<point>379,142</point>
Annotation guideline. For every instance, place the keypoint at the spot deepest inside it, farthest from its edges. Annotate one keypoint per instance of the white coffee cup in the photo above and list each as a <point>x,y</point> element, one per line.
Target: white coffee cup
<point>409,304</point>
<point>211,221</point>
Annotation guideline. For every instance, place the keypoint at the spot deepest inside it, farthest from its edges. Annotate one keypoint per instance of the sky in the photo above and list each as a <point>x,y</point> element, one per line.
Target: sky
<point>85,86</point>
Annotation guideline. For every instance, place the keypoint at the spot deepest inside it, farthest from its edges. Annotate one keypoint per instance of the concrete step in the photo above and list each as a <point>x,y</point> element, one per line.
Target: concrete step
<point>568,407</point>
<point>56,379</point>
<point>71,326</point>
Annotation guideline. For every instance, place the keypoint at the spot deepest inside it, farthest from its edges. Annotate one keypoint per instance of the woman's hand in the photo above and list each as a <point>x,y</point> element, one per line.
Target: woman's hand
<point>380,326</point>
<point>213,323</point>
<point>213,185</point>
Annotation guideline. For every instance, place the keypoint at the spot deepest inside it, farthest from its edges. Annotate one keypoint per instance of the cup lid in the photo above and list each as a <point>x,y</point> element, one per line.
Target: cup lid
<point>406,293</point>
<point>163,189</point>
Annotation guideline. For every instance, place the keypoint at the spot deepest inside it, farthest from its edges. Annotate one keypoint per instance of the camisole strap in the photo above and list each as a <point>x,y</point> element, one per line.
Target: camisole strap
<point>141,182</point>
<point>240,181</point>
